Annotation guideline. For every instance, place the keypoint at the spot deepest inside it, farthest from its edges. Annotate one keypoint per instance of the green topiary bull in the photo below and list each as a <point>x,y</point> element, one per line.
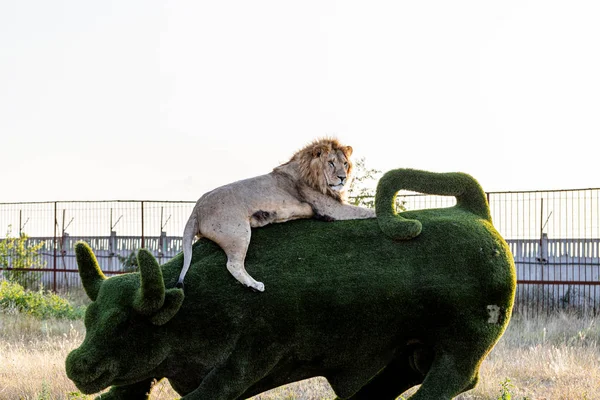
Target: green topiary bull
<point>376,306</point>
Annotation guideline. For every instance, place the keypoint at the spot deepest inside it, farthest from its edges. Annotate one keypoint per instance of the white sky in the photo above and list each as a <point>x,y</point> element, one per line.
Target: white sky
<point>165,100</point>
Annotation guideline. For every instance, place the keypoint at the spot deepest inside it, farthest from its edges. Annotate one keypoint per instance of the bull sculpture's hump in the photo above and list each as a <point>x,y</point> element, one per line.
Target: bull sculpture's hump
<point>376,306</point>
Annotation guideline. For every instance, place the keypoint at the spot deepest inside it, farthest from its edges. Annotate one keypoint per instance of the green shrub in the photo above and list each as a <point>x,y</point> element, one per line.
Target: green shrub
<point>40,304</point>
<point>506,390</point>
<point>18,256</point>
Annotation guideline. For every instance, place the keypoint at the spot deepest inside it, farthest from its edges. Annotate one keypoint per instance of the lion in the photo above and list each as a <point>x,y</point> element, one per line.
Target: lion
<point>313,184</point>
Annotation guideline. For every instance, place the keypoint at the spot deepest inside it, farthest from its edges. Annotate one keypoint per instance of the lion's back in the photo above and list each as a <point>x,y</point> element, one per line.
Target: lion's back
<point>250,195</point>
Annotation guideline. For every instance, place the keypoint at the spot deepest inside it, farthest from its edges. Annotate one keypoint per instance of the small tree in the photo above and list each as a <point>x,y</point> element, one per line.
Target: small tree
<point>129,262</point>
<point>362,187</point>
<point>17,254</point>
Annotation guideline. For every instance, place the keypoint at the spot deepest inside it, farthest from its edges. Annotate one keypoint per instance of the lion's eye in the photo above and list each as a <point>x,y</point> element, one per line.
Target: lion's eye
<point>331,164</point>
<point>345,165</point>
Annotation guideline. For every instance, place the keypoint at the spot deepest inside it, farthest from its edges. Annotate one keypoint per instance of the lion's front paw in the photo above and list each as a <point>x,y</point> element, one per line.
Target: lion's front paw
<point>322,217</point>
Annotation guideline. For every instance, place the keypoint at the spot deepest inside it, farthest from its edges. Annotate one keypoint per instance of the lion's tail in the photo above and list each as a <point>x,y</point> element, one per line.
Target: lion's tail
<point>191,229</point>
<point>469,197</point>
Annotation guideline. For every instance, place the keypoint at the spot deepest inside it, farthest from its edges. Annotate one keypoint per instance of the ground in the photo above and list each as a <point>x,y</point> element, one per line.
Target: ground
<point>544,358</point>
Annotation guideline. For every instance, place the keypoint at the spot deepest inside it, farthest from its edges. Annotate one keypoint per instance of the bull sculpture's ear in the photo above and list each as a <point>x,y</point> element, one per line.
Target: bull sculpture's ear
<point>89,270</point>
<point>152,299</point>
<point>173,301</point>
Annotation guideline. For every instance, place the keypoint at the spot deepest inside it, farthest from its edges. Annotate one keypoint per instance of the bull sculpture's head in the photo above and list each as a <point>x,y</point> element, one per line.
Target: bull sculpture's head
<point>127,312</point>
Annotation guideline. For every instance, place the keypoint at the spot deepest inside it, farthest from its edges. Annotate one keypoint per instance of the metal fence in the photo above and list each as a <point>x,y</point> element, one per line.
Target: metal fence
<point>554,237</point>
<point>114,229</point>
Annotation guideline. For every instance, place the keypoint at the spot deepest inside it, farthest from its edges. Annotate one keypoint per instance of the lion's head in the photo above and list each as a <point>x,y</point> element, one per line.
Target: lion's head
<point>325,165</point>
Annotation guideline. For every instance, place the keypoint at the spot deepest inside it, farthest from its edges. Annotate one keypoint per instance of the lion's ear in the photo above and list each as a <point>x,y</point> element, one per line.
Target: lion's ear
<point>348,151</point>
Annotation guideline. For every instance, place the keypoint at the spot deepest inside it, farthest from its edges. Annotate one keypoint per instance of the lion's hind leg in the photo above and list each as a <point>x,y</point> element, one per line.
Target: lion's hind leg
<point>238,270</point>
<point>234,240</point>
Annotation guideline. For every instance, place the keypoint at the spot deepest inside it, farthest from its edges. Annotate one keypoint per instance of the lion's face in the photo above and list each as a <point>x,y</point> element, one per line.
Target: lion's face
<point>325,165</point>
<point>336,170</point>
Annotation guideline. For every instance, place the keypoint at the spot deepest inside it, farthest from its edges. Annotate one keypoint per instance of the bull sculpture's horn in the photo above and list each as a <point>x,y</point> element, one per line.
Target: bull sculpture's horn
<point>89,270</point>
<point>151,295</point>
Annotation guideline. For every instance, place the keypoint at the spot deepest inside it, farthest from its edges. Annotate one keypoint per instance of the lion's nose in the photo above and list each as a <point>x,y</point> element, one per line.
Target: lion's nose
<point>342,178</point>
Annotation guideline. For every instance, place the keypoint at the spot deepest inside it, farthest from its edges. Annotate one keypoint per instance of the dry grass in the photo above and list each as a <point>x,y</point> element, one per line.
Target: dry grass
<point>557,358</point>
<point>32,354</point>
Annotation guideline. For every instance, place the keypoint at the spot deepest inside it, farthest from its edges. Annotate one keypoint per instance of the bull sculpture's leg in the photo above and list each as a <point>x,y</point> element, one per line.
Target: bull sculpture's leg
<point>251,360</point>
<point>449,376</point>
<point>136,391</point>
<point>397,377</point>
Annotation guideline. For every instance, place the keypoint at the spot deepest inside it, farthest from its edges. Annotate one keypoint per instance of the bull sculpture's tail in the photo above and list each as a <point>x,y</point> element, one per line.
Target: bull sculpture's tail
<point>469,197</point>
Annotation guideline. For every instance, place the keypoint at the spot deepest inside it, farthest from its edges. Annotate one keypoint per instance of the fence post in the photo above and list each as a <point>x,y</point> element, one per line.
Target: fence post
<point>112,248</point>
<point>162,245</point>
<point>54,245</point>
<point>143,244</point>
<point>543,250</point>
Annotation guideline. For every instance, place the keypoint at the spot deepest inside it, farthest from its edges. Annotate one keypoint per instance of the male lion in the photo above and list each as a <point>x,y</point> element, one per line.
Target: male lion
<point>312,184</point>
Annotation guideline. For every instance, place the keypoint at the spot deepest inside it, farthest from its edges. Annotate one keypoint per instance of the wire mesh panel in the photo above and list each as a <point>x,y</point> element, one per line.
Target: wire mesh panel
<point>554,237</point>
<point>163,227</point>
<point>411,201</point>
<point>33,219</point>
